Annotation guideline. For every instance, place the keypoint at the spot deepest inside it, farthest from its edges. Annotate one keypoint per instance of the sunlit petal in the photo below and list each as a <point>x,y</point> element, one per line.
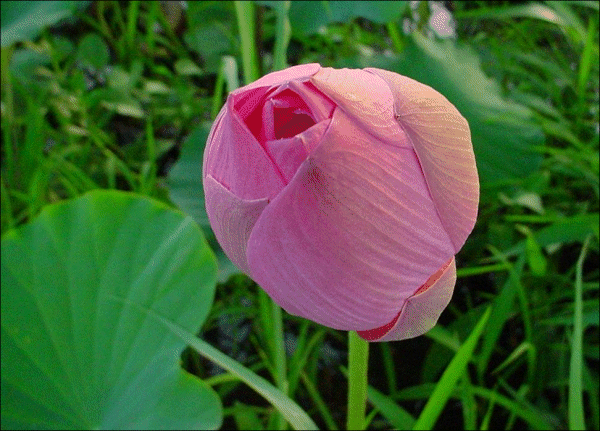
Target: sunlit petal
<point>442,141</point>
<point>352,236</point>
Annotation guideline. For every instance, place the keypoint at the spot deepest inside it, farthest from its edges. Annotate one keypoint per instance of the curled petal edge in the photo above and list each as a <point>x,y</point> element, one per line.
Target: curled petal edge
<point>421,311</point>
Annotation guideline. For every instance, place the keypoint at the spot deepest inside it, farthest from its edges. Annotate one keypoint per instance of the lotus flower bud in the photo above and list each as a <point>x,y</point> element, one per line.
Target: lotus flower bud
<point>345,194</point>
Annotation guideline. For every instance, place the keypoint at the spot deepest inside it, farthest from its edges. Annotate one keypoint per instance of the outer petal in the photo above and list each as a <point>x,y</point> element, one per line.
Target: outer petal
<point>421,311</point>
<point>275,78</point>
<point>442,141</point>
<point>352,236</point>
<point>235,159</point>
<point>364,97</point>
<point>231,219</point>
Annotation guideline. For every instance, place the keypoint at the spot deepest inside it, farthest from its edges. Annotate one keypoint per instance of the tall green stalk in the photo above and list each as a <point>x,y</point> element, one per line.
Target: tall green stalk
<point>283,33</point>
<point>245,18</point>
<point>575,409</point>
<point>358,364</point>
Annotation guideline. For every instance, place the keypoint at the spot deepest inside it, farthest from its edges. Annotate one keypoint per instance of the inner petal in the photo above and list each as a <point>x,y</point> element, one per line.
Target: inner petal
<point>288,122</point>
<point>282,112</point>
<point>290,113</point>
<point>249,107</point>
<point>288,154</point>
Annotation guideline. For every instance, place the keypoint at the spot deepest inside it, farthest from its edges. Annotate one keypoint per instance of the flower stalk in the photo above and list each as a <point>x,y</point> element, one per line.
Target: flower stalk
<point>358,364</point>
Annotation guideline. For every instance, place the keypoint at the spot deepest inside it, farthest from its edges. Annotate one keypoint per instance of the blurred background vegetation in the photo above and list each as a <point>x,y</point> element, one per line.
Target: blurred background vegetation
<point>120,95</point>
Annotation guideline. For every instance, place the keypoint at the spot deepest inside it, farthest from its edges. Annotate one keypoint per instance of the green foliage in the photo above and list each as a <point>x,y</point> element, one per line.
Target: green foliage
<point>25,20</point>
<point>93,52</point>
<point>210,31</point>
<point>311,16</point>
<point>118,96</point>
<point>70,317</point>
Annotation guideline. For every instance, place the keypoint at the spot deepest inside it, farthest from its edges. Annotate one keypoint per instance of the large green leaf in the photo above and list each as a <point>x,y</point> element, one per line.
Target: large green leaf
<point>504,134</point>
<point>23,20</point>
<point>76,350</point>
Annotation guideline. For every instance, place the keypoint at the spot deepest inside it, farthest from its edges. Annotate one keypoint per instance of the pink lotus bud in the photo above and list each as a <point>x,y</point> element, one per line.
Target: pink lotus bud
<point>345,194</point>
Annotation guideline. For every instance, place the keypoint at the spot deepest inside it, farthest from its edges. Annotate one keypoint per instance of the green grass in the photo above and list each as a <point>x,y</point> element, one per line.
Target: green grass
<point>104,100</point>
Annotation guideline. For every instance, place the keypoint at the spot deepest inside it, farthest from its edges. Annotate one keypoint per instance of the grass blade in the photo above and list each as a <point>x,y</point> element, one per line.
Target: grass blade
<point>283,33</point>
<point>398,417</point>
<point>502,308</point>
<point>444,388</point>
<point>576,415</point>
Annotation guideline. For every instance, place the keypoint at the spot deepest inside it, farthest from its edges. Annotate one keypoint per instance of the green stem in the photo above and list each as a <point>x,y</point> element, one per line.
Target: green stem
<point>575,409</point>
<point>218,94</point>
<point>358,363</point>
<point>279,358</point>
<point>132,17</point>
<point>395,36</point>
<point>283,33</point>
<point>245,18</point>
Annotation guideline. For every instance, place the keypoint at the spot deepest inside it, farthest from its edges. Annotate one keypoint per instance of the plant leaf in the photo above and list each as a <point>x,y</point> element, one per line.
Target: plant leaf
<point>72,356</point>
<point>24,20</point>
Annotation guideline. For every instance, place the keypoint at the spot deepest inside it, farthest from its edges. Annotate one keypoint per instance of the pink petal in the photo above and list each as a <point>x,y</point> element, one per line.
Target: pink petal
<point>353,235</point>
<point>284,116</point>
<point>245,104</point>
<point>235,159</point>
<point>290,121</point>
<point>268,120</point>
<point>364,97</point>
<point>299,72</point>
<point>231,219</point>
<point>289,153</point>
<point>442,141</point>
<point>421,311</point>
